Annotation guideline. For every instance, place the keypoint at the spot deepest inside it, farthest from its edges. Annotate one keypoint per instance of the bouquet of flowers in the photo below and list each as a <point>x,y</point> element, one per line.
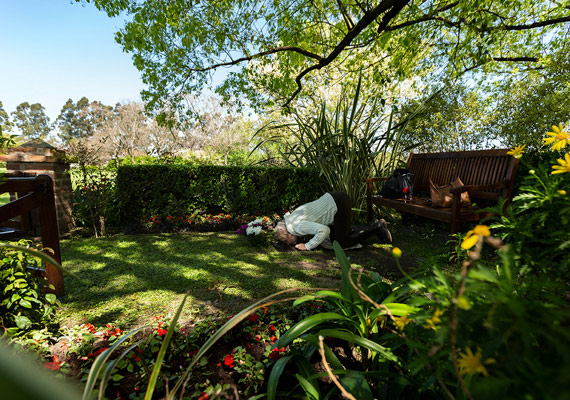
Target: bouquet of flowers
<point>255,233</point>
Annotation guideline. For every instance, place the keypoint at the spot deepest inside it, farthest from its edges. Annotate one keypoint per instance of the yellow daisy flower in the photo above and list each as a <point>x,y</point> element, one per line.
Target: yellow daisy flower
<point>402,321</point>
<point>396,252</point>
<point>517,152</point>
<point>473,235</point>
<point>564,165</point>
<point>431,322</point>
<point>470,363</point>
<point>559,137</point>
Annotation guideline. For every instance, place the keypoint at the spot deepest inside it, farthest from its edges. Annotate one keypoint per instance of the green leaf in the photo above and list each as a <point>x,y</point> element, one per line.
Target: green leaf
<point>309,389</point>
<point>310,323</point>
<point>22,322</point>
<point>25,303</point>
<point>356,385</point>
<point>117,377</point>
<point>51,298</point>
<point>275,375</point>
<point>352,338</point>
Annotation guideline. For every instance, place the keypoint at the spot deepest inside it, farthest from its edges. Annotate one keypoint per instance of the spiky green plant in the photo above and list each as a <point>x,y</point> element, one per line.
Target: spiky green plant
<point>346,144</point>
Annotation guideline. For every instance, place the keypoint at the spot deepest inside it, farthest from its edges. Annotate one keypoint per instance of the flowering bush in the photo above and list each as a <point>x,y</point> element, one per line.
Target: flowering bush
<point>536,225</point>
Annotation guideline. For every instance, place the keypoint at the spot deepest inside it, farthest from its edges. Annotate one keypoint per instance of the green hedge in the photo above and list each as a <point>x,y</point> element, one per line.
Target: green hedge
<point>161,190</point>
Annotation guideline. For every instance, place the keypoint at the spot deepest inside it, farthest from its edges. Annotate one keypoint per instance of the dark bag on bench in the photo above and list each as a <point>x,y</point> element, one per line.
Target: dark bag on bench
<point>399,185</point>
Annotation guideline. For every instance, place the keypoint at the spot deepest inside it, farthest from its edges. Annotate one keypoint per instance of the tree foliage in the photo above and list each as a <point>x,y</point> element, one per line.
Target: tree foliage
<point>454,118</point>
<point>272,49</point>
<point>81,119</point>
<point>32,120</point>
<point>529,106</point>
<point>5,123</point>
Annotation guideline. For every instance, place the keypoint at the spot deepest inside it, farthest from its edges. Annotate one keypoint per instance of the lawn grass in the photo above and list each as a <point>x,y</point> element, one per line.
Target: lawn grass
<point>129,279</point>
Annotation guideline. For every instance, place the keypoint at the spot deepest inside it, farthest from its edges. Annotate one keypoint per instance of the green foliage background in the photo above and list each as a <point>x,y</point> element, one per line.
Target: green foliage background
<point>164,190</point>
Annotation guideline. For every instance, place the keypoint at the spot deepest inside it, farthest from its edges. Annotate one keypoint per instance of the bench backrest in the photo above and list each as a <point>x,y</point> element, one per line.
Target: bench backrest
<point>479,167</point>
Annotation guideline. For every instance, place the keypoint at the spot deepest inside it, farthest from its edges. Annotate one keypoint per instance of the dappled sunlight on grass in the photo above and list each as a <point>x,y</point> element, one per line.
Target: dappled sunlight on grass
<point>129,278</point>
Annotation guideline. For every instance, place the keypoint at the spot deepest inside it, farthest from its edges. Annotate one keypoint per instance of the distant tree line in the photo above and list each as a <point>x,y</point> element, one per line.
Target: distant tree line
<point>97,133</point>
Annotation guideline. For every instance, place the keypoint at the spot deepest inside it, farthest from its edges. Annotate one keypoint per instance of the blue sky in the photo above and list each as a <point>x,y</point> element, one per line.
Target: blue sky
<point>53,50</point>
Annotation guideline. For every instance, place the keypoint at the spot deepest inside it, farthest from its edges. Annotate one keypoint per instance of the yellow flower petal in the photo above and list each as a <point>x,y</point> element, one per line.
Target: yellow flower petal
<point>482,230</point>
<point>470,363</point>
<point>470,241</point>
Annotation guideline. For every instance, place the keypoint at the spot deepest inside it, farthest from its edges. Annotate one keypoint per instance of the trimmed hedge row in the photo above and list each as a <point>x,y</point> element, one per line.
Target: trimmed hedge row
<point>161,190</point>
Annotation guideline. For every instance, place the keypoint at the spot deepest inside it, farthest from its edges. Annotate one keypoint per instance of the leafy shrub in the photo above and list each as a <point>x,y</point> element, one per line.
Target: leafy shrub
<point>162,190</point>
<point>94,199</point>
<point>23,305</point>
<point>536,224</point>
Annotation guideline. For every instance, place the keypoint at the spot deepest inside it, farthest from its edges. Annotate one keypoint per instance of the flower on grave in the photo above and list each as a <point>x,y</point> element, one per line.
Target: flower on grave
<point>254,227</point>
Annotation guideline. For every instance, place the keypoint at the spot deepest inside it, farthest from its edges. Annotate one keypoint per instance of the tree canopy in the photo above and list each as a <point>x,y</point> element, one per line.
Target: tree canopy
<point>5,123</point>
<point>81,119</point>
<point>271,50</point>
<point>32,120</point>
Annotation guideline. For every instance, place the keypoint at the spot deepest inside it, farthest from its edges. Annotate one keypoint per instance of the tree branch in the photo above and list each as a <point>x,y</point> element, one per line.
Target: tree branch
<point>428,17</point>
<point>516,59</point>
<point>539,24</point>
<point>369,17</point>
<point>258,55</point>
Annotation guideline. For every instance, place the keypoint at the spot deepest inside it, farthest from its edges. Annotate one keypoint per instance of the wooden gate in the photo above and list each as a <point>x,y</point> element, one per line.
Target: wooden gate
<point>37,193</point>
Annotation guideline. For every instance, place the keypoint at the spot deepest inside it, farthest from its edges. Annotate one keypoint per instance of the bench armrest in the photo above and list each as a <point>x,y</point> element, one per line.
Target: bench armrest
<point>467,188</point>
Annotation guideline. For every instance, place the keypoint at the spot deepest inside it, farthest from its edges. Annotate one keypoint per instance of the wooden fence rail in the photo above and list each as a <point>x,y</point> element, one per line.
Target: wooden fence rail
<point>37,193</point>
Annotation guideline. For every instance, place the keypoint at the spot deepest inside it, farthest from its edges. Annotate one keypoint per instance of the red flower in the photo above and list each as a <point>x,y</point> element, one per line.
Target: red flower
<point>275,353</point>
<point>229,360</point>
<point>273,339</point>
<point>54,365</point>
<point>89,327</point>
<point>203,396</point>
<point>161,332</point>
<point>192,353</point>
<point>136,358</point>
<point>97,352</point>
<point>405,190</point>
<point>257,337</point>
<point>272,327</point>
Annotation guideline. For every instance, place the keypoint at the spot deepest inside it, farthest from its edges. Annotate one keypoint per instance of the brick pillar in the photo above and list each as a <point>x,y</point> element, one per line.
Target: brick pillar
<point>38,157</point>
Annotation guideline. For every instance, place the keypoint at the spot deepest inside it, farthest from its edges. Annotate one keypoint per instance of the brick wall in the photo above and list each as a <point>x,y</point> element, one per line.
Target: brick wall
<point>38,157</point>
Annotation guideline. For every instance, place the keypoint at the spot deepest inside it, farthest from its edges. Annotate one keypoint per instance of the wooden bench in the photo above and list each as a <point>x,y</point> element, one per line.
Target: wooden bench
<point>487,175</point>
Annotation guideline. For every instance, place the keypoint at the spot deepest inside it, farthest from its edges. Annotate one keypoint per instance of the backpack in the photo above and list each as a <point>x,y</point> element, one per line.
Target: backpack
<point>399,185</point>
